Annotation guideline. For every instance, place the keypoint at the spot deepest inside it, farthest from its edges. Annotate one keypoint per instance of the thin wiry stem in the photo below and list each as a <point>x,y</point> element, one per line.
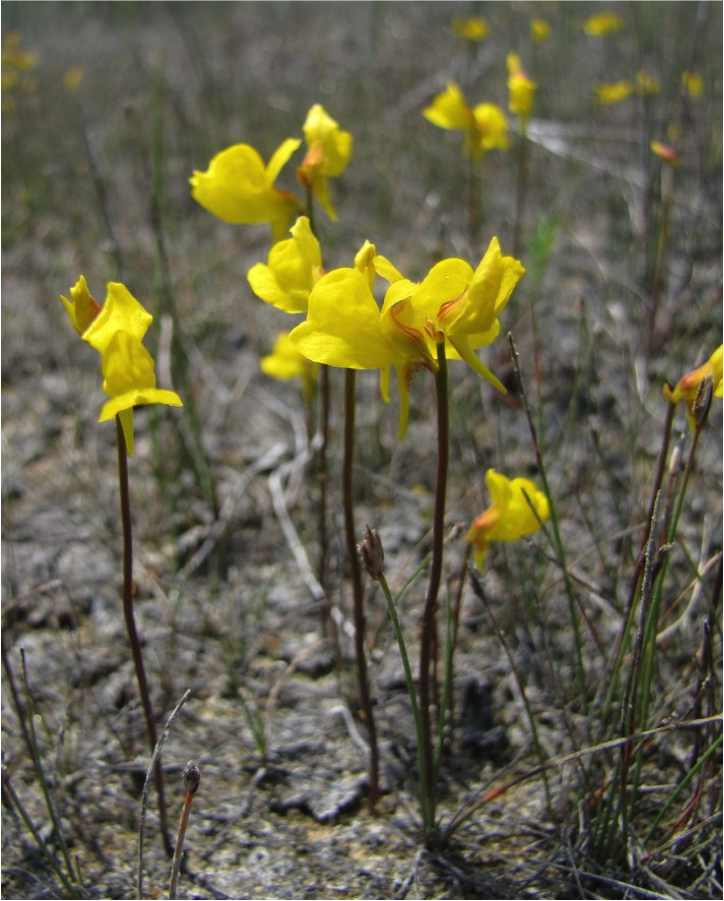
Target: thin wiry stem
<point>130,620</point>
<point>427,813</point>
<point>580,670</point>
<point>144,796</point>
<point>357,586</point>
<point>191,779</point>
<point>428,640</point>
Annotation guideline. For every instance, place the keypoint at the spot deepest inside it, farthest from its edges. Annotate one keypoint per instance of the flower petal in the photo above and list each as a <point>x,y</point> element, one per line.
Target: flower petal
<point>120,313</point>
<point>449,109</point>
<point>343,324</point>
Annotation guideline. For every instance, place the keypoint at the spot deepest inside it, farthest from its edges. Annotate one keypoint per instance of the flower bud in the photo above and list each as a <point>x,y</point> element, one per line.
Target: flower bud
<point>191,777</point>
<point>371,553</point>
<point>702,404</point>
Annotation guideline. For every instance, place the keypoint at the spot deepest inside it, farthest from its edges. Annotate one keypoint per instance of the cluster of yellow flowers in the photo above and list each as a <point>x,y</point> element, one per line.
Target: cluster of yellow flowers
<point>16,64</point>
<point>475,28</point>
<point>454,305</point>
<point>484,125</point>
<point>238,188</point>
<point>453,310</point>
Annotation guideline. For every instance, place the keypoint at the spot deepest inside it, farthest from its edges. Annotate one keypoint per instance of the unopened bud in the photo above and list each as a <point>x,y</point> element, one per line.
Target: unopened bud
<point>371,553</point>
<point>702,404</point>
<point>191,777</point>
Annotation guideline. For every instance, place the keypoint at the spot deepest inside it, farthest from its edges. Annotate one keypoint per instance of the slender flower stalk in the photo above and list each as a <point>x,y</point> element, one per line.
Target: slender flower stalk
<point>372,556</point>
<point>191,779</point>
<point>484,127</point>
<point>357,587</point>
<point>428,640</point>
<point>116,330</point>
<point>132,631</point>
<point>579,668</point>
<point>328,624</point>
<point>522,93</point>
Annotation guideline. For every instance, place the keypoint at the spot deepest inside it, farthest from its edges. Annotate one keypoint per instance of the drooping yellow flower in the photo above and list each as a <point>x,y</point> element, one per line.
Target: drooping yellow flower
<point>615,92</point>
<point>346,328</point>
<point>238,188</point>
<point>509,516</point>
<point>603,24</point>
<point>693,84</point>
<point>646,83</point>
<point>540,30</point>
<point>521,88</point>
<point>687,388</point>
<point>484,125</point>
<point>472,28</point>
<point>116,331</point>
<point>462,305</point>
<point>329,152</point>
<point>293,268</point>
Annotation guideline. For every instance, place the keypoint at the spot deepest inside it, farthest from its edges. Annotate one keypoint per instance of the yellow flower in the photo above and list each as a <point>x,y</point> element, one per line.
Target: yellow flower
<point>484,125</point>
<point>473,28</point>
<point>293,268</point>
<point>116,331</point>
<point>328,154</point>
<point>238,188</point>
<point>509,516</point>
<point>687,388</point>
<point>346,328</point>
<point>72,79</point>
<point>15,58</point>
<point>665,154</point>
<point>521,88</point>
<point>540,30</point>
<point>463,305</point>
<point>603,24</point>
<point>285,362</point>
<point>614,92</point>
<point>647,83</point>
<point>692,83</point>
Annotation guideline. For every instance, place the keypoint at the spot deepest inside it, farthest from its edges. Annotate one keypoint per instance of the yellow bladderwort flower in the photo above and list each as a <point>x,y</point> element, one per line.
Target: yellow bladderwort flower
<point>72,78</point>
<point>238,188</point>
<point>509,516</point>
<point>346,328</point>
<point>540,30</point>
<point>13,57</point>
<point>293,268</point>
<point>484,125</point>
<point>472,28</point>
<point>687,388</point>
<point>521,88</point>
<point>116,331</point>
<point>329,152</point>
<point>693,84</point>
<point>603,24</point>
<point>615,92</point>
<point>646,83</point>
<point>665,153</point>
<point>285,362</point>
<point>462,305</point>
